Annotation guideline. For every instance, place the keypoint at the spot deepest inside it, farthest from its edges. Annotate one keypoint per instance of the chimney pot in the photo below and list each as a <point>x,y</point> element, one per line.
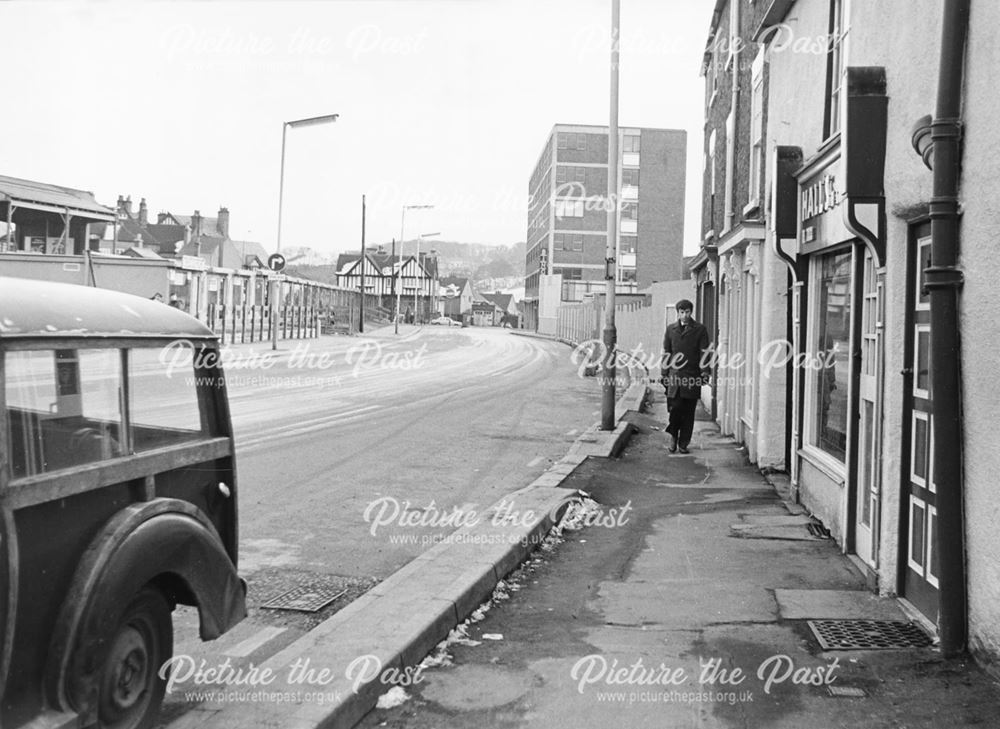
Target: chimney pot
<point>223,222</point>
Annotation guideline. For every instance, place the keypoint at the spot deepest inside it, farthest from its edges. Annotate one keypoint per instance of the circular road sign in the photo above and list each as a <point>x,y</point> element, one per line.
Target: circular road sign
<point>276,262</point>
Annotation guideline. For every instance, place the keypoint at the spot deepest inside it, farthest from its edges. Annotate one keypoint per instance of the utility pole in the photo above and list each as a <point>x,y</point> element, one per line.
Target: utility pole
<point>392,291</point>
<point>361,321</point>
<point>609,372</point>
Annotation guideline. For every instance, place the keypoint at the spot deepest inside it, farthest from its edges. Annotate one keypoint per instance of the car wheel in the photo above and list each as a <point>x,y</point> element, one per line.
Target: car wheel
<point>130,689</point>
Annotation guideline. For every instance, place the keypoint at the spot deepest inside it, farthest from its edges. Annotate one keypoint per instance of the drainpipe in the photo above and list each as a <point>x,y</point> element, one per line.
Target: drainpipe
<point>944,280</point>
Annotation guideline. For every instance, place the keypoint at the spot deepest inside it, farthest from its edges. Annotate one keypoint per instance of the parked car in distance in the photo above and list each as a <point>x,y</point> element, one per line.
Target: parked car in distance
<point>118,496</point>
<point>445,321</point>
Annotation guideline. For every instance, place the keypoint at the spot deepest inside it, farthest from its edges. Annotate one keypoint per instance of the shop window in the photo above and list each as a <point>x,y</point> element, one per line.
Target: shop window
<point>830,344</point>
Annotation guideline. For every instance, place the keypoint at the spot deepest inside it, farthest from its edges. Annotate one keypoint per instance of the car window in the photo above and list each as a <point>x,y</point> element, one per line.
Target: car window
<point>163,391</point>
<point>63,408</point>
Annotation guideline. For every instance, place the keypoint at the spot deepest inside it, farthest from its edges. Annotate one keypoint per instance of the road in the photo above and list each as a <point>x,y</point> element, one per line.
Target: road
<point>344,443</point>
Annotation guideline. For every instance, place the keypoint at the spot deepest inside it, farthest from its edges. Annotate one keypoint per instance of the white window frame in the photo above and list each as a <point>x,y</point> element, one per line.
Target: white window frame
<point>834,467</point>
<point>756,166</point>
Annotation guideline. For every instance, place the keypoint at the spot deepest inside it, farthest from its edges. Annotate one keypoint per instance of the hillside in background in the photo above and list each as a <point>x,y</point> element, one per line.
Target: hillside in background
<point>490,267</point>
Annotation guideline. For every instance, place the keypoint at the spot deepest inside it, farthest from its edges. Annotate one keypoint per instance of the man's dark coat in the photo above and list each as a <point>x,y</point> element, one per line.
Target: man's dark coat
<point>683,349</point>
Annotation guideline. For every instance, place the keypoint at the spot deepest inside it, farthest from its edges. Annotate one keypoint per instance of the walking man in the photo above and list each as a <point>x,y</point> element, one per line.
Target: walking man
<point>684,368</point>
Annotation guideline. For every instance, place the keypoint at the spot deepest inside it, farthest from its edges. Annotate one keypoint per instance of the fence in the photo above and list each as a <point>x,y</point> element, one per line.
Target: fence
<point>640,319</point>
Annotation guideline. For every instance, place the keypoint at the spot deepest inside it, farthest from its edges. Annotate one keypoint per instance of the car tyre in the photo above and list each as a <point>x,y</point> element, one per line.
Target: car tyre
<point>130,689</point>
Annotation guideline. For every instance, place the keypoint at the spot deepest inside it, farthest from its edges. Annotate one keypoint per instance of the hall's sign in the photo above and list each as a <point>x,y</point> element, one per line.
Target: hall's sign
<point>820,196</point>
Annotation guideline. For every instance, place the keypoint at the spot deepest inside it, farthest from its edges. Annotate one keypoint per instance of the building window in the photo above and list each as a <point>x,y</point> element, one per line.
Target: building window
<point>630,211</point>
<point>572,140</point>
<point>756,128</point>
<point>628,275</point>
<point>568,173</point>
<point>630,143</point>
<point>627,244</point>
<point>630,177</point>
<point>712,72</point>
<point>571,274</point>
<point>569,208</point>
<point>730,164</point>
<point>834,68</point>
<point>830,351</point>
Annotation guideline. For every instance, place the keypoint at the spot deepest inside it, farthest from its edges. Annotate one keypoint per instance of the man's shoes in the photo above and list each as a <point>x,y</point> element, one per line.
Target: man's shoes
<point>684,449</point>
<point>673,442</point>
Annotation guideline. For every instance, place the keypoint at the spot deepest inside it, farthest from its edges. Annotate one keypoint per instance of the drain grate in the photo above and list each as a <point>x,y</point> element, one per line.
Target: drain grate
<point>304,599</point>
<point>846,635</point>
<point>818,530</point>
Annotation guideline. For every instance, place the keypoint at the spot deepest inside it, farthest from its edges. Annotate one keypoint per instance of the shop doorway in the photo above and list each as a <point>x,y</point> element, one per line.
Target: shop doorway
<point>919,560</point>
<point>866,481</point>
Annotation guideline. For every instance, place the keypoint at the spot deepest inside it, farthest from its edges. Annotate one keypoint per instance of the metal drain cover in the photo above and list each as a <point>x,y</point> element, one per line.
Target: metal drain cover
<point>818,530</point>
<point>305,599</point>
<point>847,635</point>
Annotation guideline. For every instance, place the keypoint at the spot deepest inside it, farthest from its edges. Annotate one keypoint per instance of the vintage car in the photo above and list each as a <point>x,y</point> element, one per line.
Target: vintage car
<point>117,501</point>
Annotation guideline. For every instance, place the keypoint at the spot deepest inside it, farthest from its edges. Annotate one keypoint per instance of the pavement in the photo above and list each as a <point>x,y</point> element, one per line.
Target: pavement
<point>690,608</point>
<point>335,674</point>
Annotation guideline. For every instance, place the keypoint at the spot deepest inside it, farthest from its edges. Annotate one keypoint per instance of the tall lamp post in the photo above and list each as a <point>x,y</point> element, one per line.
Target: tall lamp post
<point>402,224</point>
<point>415,290</point>
<point>275,283</point>
<point>610,333</point>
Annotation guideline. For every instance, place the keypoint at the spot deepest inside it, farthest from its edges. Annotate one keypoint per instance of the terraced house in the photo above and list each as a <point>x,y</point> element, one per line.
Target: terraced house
<point>848,257</point>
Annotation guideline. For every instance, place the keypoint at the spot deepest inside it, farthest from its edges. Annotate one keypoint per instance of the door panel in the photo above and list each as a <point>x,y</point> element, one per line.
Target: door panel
<point>919,493</point>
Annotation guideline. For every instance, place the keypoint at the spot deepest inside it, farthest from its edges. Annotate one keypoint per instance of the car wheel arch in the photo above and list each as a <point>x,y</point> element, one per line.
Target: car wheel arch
<point>189,552</point>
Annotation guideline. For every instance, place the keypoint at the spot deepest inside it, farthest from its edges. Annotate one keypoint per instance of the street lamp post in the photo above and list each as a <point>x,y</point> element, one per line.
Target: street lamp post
<point>275,288</point>
<point>402,224</point>
<point>415,290</point>
<point>610,333</point>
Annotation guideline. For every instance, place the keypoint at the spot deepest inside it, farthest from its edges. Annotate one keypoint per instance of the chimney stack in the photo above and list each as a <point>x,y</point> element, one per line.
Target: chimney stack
<point>143,213</point>
<point>223,224</point>
<point>128,205</point>
<point>196,223</point>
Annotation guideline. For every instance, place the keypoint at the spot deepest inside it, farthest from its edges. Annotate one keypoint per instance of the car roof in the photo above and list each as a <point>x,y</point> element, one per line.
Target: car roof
<point>43,309</point>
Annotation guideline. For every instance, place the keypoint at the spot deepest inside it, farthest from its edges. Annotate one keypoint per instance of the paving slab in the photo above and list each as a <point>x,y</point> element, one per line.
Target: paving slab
<point>836,605</point>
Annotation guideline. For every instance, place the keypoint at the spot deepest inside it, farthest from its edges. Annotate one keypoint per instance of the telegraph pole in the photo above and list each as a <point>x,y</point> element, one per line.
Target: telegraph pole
<point>361,321</point>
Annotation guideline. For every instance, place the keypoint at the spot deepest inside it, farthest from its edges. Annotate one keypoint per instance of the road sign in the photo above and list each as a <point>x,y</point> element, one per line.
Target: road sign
<point>276,262</point>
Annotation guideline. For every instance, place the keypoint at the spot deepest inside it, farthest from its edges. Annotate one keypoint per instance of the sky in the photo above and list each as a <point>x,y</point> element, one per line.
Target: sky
<point>441,102</point>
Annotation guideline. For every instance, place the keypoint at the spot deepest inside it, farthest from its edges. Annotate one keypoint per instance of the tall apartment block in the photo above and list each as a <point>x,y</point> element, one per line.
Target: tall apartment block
<point>567,214</point>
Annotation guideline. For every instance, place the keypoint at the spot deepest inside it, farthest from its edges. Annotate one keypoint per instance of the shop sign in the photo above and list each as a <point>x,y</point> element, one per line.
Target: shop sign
<point>820,197</point>
<point>193,263</point>
<point>819,213</point>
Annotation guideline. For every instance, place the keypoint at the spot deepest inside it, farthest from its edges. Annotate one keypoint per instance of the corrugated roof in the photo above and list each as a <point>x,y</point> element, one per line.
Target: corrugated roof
<point>42,193</point>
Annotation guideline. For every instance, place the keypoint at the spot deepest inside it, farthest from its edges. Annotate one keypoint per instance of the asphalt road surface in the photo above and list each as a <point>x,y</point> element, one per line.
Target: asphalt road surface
<point>356,454</point>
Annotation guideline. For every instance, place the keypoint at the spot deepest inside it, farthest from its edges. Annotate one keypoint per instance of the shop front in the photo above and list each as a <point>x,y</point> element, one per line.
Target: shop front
<point>839,366</point>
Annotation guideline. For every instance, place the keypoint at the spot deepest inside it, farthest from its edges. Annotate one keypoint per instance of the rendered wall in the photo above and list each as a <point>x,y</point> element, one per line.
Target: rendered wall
<point>980,326</point>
